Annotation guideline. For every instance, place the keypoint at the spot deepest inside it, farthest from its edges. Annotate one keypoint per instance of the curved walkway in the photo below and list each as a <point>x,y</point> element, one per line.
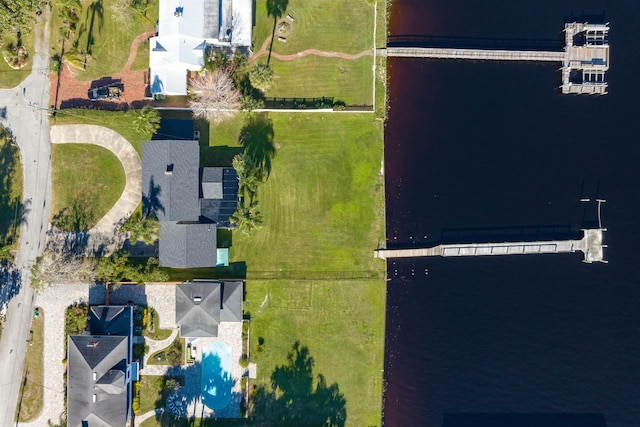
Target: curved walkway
<point>265,51</point>
<point>158,345</point>
<point>139,419</point>
<point>114,142</point>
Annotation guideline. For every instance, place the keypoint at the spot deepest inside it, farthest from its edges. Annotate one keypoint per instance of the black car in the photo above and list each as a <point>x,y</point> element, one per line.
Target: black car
<point>104,93</point>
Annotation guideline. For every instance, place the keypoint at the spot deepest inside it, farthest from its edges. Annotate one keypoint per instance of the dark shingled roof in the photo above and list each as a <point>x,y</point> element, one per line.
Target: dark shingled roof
<point>219,209</point>
<point>170,179</point>
<point>104,358</point>
<point>187,245</point>
<point>110,320</point>
<point>202,305</point>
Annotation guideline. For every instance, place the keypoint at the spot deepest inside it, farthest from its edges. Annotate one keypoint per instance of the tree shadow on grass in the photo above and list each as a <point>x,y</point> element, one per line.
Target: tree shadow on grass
<point>12,212</point>
<point>256,136</point>
<point>96,10</point>
<point>275,8</point>
<point>292,400</point>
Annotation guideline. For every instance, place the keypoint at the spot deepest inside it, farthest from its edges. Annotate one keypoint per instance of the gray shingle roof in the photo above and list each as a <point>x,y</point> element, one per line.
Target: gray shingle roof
<point>110,320</point>
<point>170,187</point>
<point>105,400</point>
<point>211,182</point>
<point>202,305</point>
<point>232,296</point>
<point>187,245</point>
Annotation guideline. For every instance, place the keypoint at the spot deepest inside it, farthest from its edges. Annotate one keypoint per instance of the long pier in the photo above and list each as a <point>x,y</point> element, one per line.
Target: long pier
<point>585,58</point>
<point>473,54</point>
<point>590,245</point>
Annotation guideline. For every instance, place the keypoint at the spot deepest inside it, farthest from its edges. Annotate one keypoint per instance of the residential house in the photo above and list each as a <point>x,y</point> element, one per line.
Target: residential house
<point>186,30</point>
<point>100,369</point>
<point>201,306</point>
<point>190,203</point>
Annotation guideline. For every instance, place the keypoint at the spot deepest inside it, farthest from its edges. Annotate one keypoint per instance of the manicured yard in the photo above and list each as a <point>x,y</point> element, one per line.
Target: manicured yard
<point>10,192</point>
<point>172,355</point>
<point>119,121</point>
<point>344,80</point>
<point>153,392</point>
<point>88,174</point>
<point>10,78</point>
<point>31,392</point>
<point>333,26</point>
<point>142,57</point>
<point>103,42</point>
<point>323,203</point>
<point>343,27</point>
<point>153,330</point>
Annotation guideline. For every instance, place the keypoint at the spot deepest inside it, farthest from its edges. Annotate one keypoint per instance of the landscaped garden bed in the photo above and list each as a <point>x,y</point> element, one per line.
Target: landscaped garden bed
<point>172,355</point>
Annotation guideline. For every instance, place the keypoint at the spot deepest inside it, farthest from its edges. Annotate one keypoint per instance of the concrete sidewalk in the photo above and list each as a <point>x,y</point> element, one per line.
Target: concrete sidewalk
<point>114,142</point>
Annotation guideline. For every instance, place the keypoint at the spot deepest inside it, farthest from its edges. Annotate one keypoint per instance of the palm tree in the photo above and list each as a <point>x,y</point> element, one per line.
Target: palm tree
<point>261,76</point>
<point>147,120</point>
<point>247,219</point>
<point>141,229</point>
<point>275,8</point>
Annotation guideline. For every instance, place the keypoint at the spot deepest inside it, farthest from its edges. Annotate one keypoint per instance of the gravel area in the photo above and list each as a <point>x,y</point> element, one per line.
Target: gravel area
<point>54,300</point>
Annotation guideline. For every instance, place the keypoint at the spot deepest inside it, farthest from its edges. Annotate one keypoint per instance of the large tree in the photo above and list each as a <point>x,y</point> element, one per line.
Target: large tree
<point>214,97</point>
<point>147,120</point>
<point>261,76</point>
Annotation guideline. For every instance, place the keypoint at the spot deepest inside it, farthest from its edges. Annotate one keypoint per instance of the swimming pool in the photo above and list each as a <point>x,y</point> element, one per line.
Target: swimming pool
<point>216,375</point>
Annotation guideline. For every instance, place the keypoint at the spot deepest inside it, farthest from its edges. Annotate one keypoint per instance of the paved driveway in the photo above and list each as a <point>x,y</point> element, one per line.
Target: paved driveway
<point>114,142</point>
<point>54,300</point>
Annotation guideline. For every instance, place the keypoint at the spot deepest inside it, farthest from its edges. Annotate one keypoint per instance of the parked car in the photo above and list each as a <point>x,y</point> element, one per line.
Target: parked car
<point>105,92</point>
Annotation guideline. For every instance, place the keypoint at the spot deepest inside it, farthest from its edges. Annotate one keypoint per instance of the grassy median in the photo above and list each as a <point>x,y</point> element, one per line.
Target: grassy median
<point>31,391</point>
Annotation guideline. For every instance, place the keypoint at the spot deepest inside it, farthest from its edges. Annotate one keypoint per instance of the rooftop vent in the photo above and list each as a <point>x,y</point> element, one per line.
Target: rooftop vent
<point>169,170</point>
<point>93,343</point>
<point>197,299</point>
<point>95,397</point>
<point>178,12</point>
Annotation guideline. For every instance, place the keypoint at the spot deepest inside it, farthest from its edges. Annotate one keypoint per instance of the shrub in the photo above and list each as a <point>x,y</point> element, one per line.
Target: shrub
<point>244,361</point>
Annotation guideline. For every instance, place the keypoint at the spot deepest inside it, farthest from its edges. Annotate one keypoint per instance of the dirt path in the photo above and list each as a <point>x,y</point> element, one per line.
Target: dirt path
<point>265,51</point>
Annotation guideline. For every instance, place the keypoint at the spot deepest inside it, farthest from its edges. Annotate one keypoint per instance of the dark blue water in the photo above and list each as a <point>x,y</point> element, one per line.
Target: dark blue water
<point>512,341</point>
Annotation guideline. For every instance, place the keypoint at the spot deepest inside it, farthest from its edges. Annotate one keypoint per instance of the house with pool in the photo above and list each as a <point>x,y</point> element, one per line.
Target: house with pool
<point>209,315</point>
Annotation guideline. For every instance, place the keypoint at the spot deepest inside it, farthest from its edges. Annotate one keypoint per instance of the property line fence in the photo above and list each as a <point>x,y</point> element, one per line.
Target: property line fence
<point>314,275</point>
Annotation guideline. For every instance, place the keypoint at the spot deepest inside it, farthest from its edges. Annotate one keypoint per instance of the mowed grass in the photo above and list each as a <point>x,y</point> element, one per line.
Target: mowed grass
<point>109,51</point>
<point>150,393</point>
<point>334,26</point>
<point>10,191</point>
<point>323,203</point>
<point>142,57</point>
<point>119,121</point>
<point>31,392</point>
<point>88,172</point>
<point>343,27</point>
<point>342,323</point>
<point>10,78</point>
<point>343,79</point>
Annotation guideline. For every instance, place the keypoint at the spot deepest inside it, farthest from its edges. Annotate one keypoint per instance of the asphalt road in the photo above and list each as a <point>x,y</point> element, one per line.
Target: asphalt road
<point>24,111</point>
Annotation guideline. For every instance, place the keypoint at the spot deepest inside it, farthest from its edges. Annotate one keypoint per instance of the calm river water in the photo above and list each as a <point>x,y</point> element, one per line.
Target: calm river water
<point>512,341</point>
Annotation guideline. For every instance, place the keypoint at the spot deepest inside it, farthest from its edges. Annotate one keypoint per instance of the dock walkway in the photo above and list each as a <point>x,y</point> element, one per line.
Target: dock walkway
<point>590,245</point>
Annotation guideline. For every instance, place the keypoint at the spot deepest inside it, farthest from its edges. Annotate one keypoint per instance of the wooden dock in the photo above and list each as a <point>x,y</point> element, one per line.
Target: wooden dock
<point>472,54</point>
<point>585,58</point>
<point>590,245</point>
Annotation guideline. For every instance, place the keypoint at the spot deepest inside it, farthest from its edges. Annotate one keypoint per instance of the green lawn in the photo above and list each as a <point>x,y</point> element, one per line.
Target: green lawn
<point>87,173</point>
<point>172,355</point>
<point>334,26</point>
<point>10,191</point>
<point>323,203</point>
<point>344,80</point>
<point>10,78</point>
<point>142,57</point>
<point>119,121</point>
<point>111,42</point>
<point>344,27</point>
<point>31,392</point>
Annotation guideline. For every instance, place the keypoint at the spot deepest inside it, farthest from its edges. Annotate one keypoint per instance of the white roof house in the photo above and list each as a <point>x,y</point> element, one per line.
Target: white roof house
<point>185,29</point>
